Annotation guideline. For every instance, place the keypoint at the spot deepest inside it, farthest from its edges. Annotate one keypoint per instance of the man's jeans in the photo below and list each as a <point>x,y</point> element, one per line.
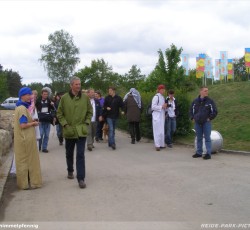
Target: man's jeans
<point>203,129</point>
<point>111,123</point>
<point>44,128</point>
<point>99,127</point>
<point>170,125</point>
<point>80,156</point>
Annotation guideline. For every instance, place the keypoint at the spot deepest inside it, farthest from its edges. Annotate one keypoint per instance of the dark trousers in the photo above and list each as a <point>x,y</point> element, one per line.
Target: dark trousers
<point>80,156</point>
<point>134,129</point>
<point>99,129</point>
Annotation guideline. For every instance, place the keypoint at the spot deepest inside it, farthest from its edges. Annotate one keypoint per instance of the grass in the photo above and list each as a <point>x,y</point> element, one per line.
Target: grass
<point>233,119</point>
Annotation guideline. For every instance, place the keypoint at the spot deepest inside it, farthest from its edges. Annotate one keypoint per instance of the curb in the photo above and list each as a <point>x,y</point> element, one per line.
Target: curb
<point>4,172</point>
<point>235,152</point>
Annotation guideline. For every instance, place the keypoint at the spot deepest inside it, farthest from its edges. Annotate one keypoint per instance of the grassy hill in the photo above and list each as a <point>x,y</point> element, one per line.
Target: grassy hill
<point>233,120</point>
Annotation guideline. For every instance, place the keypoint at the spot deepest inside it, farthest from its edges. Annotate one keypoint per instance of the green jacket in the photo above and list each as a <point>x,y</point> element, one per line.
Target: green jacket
<point>74,114</point>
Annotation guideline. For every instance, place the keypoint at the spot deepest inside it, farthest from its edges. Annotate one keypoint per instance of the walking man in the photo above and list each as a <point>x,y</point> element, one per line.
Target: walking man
<point>74,114</point>
<point>97,116</point>
<point>202,111</point>
<point>100,123</point>
<point>133,109</point>
<point>112,105</point>
<point>44,107</point>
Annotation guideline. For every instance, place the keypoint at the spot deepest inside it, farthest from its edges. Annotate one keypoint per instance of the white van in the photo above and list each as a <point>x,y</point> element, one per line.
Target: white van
<point>10,103</point>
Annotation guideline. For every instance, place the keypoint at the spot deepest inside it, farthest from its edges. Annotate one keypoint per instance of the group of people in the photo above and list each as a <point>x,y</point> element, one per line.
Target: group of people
<point>202,111</point>
<point>80,117</point>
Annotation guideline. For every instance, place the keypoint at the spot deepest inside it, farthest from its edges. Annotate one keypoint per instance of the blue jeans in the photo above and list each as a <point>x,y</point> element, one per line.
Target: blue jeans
<point>44,128</point>
<point>80,156</point>
<point>111,123</point>
<point>203,129</point>
<point>170,125</point>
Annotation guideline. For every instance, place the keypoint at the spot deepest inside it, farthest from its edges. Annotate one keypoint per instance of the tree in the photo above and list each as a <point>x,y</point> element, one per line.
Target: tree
<point>14,82</point>
<point>167,71</point>
<point>36,86</point>
<point>240,73</point>
<point>59,57</point>
<point>3,86</point>
<point>98,76</point>
<point>133,78</point>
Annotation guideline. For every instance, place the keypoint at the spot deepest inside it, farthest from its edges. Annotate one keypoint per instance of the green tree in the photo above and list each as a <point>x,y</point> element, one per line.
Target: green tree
<point>14,82</point>
<point>133,78</point>
<point>240,73</point>
<point>3,86</point>
<point>99,75</point>
<point>36,86</point>
<point>59,57</point>
<point>167,71</point>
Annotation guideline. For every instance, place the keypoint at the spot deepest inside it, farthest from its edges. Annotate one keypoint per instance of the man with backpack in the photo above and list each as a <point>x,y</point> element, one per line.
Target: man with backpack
<point>158,107</point>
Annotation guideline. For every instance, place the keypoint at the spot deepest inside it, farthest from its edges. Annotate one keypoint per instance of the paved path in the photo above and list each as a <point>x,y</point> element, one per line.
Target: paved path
<point>133,187</point>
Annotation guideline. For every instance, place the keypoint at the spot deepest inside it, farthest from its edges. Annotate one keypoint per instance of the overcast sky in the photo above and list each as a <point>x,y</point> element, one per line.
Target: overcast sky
<point>123,33</point>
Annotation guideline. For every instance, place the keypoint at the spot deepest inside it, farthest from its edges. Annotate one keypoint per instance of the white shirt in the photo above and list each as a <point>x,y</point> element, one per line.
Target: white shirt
<point>171,109</point>
<point>92,101</point>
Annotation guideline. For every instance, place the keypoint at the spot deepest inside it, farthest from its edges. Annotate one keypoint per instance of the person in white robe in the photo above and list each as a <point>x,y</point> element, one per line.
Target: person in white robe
<point>158,107</point>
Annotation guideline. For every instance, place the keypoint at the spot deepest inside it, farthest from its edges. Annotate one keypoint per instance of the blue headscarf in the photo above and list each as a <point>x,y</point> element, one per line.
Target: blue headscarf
<point>23,91</point>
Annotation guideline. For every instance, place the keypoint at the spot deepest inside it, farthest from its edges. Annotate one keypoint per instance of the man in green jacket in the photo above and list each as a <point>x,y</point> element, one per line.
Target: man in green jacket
<point>74,114</point>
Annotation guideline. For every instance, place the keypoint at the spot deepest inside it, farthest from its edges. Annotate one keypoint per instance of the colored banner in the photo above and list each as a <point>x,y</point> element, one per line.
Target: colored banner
<point>201,62</point>
<point>208,67</point>
<point>247,58</point>
<point>200,65</point>
<point>230,71</point>
<point>223,63</point>
<point>185,63</point>
<point>217,70</point>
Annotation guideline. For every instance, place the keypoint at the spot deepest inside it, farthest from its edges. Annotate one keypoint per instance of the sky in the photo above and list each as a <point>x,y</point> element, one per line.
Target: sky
<point>122,32</point>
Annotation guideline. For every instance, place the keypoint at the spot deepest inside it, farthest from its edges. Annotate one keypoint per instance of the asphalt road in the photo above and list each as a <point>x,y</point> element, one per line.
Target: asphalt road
<point>133,187</point>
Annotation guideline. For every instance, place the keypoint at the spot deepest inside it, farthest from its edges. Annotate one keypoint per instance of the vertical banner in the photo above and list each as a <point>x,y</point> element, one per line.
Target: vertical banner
<point>247,59</point>
<point>230,69</point>
<point>200,65</point>
<point>208,67</point>
<point>185,63</point>
<point>217,70</point>
<point>223,63</point>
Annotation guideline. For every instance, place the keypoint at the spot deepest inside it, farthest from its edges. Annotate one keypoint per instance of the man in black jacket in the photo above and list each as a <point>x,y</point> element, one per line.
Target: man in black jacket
<point>202,111</point>
<point>112,105</point>
<point>44,107</point>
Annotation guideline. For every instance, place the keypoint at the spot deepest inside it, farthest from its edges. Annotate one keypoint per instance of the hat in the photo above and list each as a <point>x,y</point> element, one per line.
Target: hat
<point>161,87</point>
<point>24,91</point>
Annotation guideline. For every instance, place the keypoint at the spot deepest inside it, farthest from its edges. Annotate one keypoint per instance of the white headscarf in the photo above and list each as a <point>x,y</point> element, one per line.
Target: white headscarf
<point>136,96</point>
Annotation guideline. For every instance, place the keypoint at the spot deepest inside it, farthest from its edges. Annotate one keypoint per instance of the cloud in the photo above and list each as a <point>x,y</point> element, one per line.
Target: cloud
<point>123,33</point>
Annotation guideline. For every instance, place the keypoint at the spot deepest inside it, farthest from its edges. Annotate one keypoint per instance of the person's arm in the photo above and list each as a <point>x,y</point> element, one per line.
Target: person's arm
<point>191,111</point>
<point>213,110</point>
<point>24,124</point>
<point>89,113</point>
<point>60,113</point>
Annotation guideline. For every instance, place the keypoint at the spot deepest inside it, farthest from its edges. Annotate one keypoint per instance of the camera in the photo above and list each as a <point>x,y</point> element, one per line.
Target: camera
<point>169,105</point>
